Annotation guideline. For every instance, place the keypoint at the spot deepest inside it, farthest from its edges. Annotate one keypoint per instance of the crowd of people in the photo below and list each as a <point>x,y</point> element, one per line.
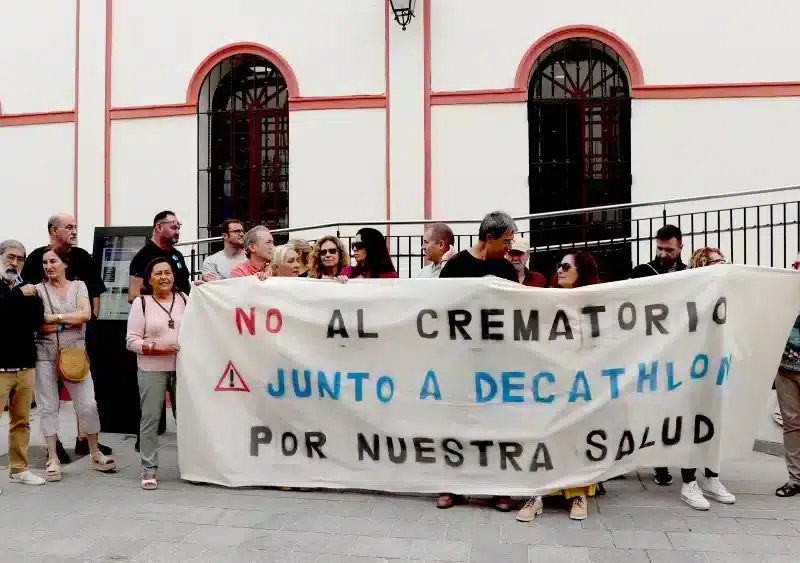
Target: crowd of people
<point>50,299</point>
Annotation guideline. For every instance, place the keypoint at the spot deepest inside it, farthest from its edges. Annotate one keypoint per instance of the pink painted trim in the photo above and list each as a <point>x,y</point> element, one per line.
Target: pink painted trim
<point>507,96</point>
<point>526,66</point>
<point>139,112</point>
<point>387,66</point>
<point>426,105</point>
<point>75,153</point>
<point>201,72</point>
<point>43,118</point>
<point>725,90</point>
<point>364,101</point>
<point>107,132</point>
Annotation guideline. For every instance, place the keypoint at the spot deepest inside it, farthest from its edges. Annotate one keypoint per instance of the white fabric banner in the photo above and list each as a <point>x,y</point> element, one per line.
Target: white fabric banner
<point>476,386</point>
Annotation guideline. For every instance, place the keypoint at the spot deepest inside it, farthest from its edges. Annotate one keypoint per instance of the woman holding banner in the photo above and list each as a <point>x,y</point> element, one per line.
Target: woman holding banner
<point>285,262</point>
<point>154,324</point>
<point>575,270</point>
<point>328,259</point>
<point>691,493</point>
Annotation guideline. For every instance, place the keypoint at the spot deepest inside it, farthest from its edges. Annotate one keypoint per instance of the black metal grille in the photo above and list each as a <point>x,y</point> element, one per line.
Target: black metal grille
<point>579,113</point>
<point>762,235</point>
<point>243,145</point>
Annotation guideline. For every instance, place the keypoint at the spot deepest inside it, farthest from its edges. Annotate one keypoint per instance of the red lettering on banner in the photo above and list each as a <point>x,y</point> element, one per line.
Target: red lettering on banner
<point>274,321</point>
<point>249,321</point>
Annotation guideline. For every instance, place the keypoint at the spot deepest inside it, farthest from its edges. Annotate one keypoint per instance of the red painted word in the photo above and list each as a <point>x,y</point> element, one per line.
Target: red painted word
<point>273,320</point>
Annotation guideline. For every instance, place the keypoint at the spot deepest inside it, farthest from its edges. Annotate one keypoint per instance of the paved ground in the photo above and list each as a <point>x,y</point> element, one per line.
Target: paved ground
<point>90,517</point>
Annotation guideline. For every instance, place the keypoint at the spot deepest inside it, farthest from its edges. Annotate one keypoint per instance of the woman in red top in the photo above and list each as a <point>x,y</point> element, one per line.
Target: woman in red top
<point>371,256</point>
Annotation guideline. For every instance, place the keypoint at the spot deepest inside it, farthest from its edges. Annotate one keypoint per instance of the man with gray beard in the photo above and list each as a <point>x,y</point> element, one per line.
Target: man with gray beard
<point>21,315</point>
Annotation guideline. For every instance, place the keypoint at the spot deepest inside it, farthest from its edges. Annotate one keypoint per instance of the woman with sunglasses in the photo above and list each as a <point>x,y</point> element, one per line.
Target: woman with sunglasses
<point>576,269</point>
<point>371,256</point>
<point>328,259</point>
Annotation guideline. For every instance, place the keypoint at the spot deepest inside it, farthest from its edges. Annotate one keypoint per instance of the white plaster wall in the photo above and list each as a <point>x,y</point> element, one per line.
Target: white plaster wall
<point>335,48</point>
<point>37,68</point>
<point>337,168</point>
<point>91,121</point>
<point>480,161</point>
<point>685,148</point>
<point>36,178</point>
<point>154,167</point>
<point>478,45</point>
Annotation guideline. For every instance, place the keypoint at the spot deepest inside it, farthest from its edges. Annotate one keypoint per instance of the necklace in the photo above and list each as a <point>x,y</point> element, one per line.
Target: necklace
<point>171,323</point>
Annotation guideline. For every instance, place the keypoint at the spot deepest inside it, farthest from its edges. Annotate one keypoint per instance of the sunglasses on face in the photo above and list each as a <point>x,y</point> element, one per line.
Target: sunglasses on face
<point>326,251</point>
<point>565,267</point>
<point>359,246</point>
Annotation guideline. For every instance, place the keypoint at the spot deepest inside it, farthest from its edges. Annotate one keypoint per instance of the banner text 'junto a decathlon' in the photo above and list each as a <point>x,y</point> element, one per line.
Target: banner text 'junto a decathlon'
<point>476,386</point>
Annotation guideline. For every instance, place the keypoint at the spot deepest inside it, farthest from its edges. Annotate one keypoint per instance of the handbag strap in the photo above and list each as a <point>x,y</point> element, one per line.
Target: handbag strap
<point>52,312</point>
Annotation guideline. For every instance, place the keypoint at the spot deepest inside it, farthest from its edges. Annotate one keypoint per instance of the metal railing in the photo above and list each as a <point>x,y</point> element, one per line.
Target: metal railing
<point>758,231</point>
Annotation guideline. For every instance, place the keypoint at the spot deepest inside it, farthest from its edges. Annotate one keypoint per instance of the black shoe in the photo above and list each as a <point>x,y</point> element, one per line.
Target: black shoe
<point>82,447</point>
<point>136,447</point>
<point>63,456</point>
<point>662,477</point>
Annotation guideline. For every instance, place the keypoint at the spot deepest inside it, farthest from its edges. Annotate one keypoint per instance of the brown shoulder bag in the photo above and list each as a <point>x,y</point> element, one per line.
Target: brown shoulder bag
<point>72,364</point>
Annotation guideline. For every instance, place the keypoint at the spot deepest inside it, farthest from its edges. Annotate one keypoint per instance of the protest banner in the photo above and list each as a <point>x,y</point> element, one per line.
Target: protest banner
<point>476,386</point>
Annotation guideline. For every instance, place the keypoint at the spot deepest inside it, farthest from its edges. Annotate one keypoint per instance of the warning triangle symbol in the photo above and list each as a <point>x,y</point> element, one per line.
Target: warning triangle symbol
<point>231,380</point>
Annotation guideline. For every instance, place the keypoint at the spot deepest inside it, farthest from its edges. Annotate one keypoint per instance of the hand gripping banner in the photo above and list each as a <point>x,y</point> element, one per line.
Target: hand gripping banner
<point>475,386</point>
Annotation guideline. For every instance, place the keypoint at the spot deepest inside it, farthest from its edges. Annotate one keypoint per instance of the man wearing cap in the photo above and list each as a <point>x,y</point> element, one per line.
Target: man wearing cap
<point>519,255</point>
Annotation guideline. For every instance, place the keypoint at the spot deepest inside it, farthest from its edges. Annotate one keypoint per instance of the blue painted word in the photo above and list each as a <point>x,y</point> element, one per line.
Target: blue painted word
<point>306,383</point>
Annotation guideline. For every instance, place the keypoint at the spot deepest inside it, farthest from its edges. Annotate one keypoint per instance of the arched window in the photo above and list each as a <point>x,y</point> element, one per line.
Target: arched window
<point>243,144</point>
<point>579,119</point>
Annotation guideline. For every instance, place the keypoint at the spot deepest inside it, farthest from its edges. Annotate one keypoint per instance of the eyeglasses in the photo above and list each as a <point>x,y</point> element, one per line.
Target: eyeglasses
<point>565,266</point>
<point>326,251</point>
<point>717,261</point>
<point>359,246</point>
<point>176,224</point>
<point>236,232</point>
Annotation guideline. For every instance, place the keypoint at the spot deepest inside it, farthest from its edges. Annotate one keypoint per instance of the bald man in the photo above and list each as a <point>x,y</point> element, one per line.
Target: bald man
<point>62,230</point>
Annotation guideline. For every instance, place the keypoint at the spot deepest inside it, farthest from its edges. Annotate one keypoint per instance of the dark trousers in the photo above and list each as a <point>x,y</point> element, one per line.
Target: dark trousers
<point>687,475</point>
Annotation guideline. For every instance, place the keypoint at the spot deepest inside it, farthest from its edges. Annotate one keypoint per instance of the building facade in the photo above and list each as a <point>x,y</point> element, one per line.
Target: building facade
<point>295,113</point>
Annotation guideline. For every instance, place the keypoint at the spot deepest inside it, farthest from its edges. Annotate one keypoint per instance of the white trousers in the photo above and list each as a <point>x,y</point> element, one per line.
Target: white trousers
<point>47,400</point>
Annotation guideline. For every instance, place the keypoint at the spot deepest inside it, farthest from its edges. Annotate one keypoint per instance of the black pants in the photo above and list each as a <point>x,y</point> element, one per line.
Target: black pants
<point>688,475</point>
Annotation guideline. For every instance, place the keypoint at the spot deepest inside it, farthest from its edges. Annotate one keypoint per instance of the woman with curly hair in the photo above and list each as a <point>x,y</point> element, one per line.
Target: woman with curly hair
<point>706,257</point>
<point>327,259</point>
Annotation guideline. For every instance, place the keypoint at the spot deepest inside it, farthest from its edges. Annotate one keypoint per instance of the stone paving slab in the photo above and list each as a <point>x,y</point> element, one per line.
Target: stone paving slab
<point>94,518</point>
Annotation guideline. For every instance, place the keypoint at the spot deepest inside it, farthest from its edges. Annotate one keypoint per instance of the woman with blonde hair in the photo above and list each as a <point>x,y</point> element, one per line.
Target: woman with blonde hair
<point>285,263</point>
<point>303,250</point>
<point>706,257</point>
<point>328,258</point>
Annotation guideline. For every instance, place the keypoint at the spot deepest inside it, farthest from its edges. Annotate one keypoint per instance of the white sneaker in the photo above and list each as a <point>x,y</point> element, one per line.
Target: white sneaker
<point>26,478</point>
<point>693,496</point>
<point>716,490</point>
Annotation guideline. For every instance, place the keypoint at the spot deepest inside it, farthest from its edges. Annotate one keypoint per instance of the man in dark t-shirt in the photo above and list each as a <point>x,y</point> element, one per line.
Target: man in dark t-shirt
<point>487,258</point>
<point>63,232</point>
<point>166,234</point>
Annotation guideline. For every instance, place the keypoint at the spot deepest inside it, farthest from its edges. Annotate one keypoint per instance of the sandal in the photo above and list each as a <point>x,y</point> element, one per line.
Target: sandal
<point>102,462</point>
<point>502,504</point>
<point>788,490</point>
<point>53,470</point>
<point>149,482</point>
<point>448,500</point>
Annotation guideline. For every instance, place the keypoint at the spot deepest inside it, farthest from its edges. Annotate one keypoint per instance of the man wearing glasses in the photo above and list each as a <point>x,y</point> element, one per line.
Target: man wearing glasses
<point>166,234</point>
<point>219,265</point>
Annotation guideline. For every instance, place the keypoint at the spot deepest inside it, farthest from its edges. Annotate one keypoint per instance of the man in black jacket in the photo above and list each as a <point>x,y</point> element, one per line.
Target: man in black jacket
<point>21,315</point>
<point>669,245</point>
